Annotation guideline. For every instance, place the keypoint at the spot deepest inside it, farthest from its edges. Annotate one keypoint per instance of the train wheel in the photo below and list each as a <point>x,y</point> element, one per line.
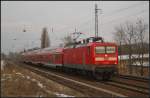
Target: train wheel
<point>64,69</point>
<point>106,76</point>
<point>83,72</point>
<point>98,76</point>
<point>78,72</point>
<point>90,75</point>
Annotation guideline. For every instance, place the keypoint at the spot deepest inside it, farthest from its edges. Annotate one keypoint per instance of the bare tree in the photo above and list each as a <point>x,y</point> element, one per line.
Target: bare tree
<point>118,36</point>
<point>45,39</point>
<point>61,45</point>
<point>125,35</point>
<point>3,56</point>
<point>130,32</point>
<point>141,28</point>
<point>67,40</point>
<point>133,36</point>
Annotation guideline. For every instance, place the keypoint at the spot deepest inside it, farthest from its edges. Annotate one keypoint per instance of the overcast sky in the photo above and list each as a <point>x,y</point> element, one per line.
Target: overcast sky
<point>63,17</point>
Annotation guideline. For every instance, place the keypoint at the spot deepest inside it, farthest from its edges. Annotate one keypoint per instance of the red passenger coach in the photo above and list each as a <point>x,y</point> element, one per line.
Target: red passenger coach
<point>49,57</point>
<point>57,57</point>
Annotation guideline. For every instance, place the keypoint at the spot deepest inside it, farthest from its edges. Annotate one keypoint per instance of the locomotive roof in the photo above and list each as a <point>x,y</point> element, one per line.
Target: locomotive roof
<point>89,41</point>
<point>90,44</point>
<point>104,43</point>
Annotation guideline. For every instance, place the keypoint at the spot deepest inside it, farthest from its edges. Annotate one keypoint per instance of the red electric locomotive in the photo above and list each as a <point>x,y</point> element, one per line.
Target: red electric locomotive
<point>91,55</point>
<point>100,58</point>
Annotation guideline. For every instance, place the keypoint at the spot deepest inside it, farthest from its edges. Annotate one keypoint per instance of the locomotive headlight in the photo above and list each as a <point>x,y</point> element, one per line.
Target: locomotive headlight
<point>99,59</point>
<point>112,58</point>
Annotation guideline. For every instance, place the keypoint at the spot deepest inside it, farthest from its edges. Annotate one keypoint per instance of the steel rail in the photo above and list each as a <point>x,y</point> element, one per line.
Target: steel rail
<point>50,74</point>
<point>141,79</point>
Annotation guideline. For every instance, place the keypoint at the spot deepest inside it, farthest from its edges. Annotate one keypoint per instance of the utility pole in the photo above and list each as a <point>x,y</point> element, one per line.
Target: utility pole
<point>75,30</point>
<point>52,29</point>
<point>96,20</point>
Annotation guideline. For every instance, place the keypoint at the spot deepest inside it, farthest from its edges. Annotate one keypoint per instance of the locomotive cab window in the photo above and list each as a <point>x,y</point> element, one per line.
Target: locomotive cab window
<point>110,49</point>
<point>100,49</point>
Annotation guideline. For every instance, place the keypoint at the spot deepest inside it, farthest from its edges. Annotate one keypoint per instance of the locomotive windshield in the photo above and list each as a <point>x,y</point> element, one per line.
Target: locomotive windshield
<point>104,49</point>
<point>110,49</point>
<point>100,49</point>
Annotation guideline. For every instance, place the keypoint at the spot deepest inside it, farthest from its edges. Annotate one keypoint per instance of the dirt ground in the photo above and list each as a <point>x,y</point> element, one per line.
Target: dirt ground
<point>19,82</point>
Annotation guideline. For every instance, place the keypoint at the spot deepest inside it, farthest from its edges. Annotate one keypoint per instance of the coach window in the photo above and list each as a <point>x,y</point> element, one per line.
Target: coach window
<point>54,57</point>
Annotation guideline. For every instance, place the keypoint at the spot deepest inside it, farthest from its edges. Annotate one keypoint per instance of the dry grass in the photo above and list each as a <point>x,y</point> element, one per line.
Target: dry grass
<point>17,81</point>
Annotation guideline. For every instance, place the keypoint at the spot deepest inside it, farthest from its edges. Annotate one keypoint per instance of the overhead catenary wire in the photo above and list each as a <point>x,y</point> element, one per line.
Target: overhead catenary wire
<point>76,22</point>
<point>117,11</point>
<point>126,8</point>
<point>125,16</point>
<point>116,20</point>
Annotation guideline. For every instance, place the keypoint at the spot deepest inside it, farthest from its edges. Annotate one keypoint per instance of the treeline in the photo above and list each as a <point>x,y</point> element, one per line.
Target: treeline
<point>131,38</point>
<point>124,49</point>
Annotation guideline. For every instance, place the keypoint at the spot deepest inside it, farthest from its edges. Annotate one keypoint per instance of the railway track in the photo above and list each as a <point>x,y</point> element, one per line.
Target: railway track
<point>140,79</point>
<point>130,83</point>
<point>92,88</point>
<point>79,86</point>
<point>135,88</point>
